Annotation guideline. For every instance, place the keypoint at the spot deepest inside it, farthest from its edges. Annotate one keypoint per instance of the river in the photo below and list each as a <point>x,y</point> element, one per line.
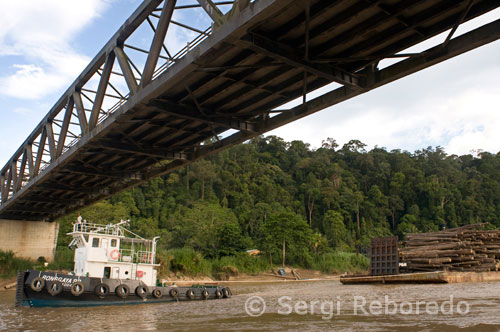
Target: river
<point>301,306</point>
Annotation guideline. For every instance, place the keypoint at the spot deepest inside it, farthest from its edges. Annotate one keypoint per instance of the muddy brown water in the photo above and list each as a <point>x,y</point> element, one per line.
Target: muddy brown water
<point>306,306</point>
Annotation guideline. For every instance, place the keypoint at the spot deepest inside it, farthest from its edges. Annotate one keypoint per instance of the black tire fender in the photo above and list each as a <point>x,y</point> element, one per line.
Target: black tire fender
<point>218,293</point>
<point>157,293</point>
<point>173,292</point>
<point>205,293</point>
<point>101,289</point>
<point>141,291</point>
<point>77,288</point>
<point>226,292</point>
<point>37,284</point>
<point>190,294</point>
<point>54,288</point>
<point>122,291</point>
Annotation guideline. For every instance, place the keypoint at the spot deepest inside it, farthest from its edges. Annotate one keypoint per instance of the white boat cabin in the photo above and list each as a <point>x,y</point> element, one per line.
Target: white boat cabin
<point>112,251</point>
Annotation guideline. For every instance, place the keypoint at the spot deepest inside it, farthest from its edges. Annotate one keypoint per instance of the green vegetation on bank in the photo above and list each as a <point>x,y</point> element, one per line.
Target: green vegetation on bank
<point>323,204</point>
<point>9,264</point>
<point>341,262</point>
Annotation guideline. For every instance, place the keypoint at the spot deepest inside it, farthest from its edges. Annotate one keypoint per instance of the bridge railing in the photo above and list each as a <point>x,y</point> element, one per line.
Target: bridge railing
<point>105,86</point>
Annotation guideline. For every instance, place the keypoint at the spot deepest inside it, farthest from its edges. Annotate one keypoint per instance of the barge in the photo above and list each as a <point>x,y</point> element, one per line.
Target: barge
<point>463,254</point>
<point>113,266</point>
<point>436,277</point>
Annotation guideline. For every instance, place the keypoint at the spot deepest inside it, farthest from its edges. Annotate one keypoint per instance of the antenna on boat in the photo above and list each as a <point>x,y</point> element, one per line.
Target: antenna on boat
<point>123,222</point>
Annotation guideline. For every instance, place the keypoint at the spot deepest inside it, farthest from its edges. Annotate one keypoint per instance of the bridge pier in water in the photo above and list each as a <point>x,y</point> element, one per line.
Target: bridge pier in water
<point>29,239</point>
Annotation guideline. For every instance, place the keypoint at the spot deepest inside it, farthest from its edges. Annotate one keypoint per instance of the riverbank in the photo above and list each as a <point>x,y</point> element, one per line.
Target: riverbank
<point>265,277</point>
<point>7,283</point>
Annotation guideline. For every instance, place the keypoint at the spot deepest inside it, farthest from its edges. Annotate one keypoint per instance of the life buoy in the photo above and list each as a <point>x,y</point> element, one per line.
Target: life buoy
<point>190,294</point>
<point>226,292</point>
<point>114,254</point>
<point>77,288</point>
<point>102,290</point>
<point>157,293</point>
<point>141,291</point>
<point>37,284</point>
<point>205,293</point>
<point>122,291</point>
<point>55,288</point>
<point>173,292</point>
<point>218,294</point>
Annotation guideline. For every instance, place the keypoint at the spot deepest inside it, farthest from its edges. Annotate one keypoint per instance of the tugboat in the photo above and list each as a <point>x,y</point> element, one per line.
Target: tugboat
<point>112,266</point>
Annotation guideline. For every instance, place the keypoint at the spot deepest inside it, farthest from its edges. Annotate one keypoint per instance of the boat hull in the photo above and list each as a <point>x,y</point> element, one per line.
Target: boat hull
<point>31,293</point>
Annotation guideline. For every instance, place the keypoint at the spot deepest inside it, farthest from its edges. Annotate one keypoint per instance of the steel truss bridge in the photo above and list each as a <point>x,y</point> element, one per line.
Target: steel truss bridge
<point>142,110</point>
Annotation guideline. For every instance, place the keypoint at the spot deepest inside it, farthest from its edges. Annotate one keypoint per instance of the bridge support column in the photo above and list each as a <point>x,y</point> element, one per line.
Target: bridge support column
<point>29,239</point>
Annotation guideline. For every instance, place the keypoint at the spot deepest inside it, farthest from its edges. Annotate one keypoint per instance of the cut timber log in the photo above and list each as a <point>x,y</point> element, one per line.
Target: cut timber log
<point>466,248</point>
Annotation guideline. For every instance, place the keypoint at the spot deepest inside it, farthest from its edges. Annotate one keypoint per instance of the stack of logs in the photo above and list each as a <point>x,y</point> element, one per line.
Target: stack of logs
<point>467,248</point>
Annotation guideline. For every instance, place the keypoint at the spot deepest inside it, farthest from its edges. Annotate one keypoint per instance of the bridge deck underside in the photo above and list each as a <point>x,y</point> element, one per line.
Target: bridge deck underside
<point>235,85</point>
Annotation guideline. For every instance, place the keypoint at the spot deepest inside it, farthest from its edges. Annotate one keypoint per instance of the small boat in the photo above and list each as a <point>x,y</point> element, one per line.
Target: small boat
<point>112,266</point>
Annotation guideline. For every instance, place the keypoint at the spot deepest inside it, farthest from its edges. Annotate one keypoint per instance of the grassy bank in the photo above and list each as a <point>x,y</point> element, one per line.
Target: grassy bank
<point>9,264</point>
<point>189,263</point>
<point>341,262</point>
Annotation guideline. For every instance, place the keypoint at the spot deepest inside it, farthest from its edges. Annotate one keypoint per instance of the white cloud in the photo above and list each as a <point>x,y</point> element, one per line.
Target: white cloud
<point>23,111</point>
<point>40,34</point>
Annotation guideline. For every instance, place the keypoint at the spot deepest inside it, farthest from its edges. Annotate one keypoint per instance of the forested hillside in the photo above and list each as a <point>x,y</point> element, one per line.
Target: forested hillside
<point>264,192</point>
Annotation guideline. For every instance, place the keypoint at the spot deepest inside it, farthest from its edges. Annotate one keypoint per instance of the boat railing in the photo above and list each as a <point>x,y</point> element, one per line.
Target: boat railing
<point>108,229</point>
<point>144,256</point>
<point>126,255</point>
<point>140,256</point>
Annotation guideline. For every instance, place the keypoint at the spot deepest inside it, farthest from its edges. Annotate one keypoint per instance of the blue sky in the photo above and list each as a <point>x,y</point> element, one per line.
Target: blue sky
<point>456,104</point>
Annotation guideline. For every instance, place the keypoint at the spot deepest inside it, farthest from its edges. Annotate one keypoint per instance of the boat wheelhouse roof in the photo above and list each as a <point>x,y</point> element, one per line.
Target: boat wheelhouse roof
<point>113,230</point>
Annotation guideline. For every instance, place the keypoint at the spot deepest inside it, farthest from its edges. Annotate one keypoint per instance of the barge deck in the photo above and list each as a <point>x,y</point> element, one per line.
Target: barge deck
<point>437,277</point>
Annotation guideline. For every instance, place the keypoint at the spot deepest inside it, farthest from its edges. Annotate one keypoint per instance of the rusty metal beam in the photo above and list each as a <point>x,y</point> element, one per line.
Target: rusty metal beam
<point>126,70</point>
<point>22,169</point>
<point>66,188</point>
<point>6,188</point>
<point>82,117</point>
<point>52,143</point>
<point>13,171</point>
<point>39,154</point>
<point>211,9</point>
<point>101,90</point>
<point>65,126</point>
<point>2,187</point>
<point>50,200</point>
<point>286,54</point>
<point>157,44</point>
<point>189,113</point>
<point>31,166</point>
<point>101,173</point>
<point>150,151</point>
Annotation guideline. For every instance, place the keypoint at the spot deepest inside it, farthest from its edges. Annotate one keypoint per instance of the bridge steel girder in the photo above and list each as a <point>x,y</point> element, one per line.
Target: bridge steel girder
<point>467,42</point>
<point>288,55</point>
<point>195,105</point>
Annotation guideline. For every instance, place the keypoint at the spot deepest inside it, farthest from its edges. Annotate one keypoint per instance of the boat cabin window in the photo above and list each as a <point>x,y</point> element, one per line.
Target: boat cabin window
<point>95,242</point>
<point>86,237</point>
<point>113,242</point>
